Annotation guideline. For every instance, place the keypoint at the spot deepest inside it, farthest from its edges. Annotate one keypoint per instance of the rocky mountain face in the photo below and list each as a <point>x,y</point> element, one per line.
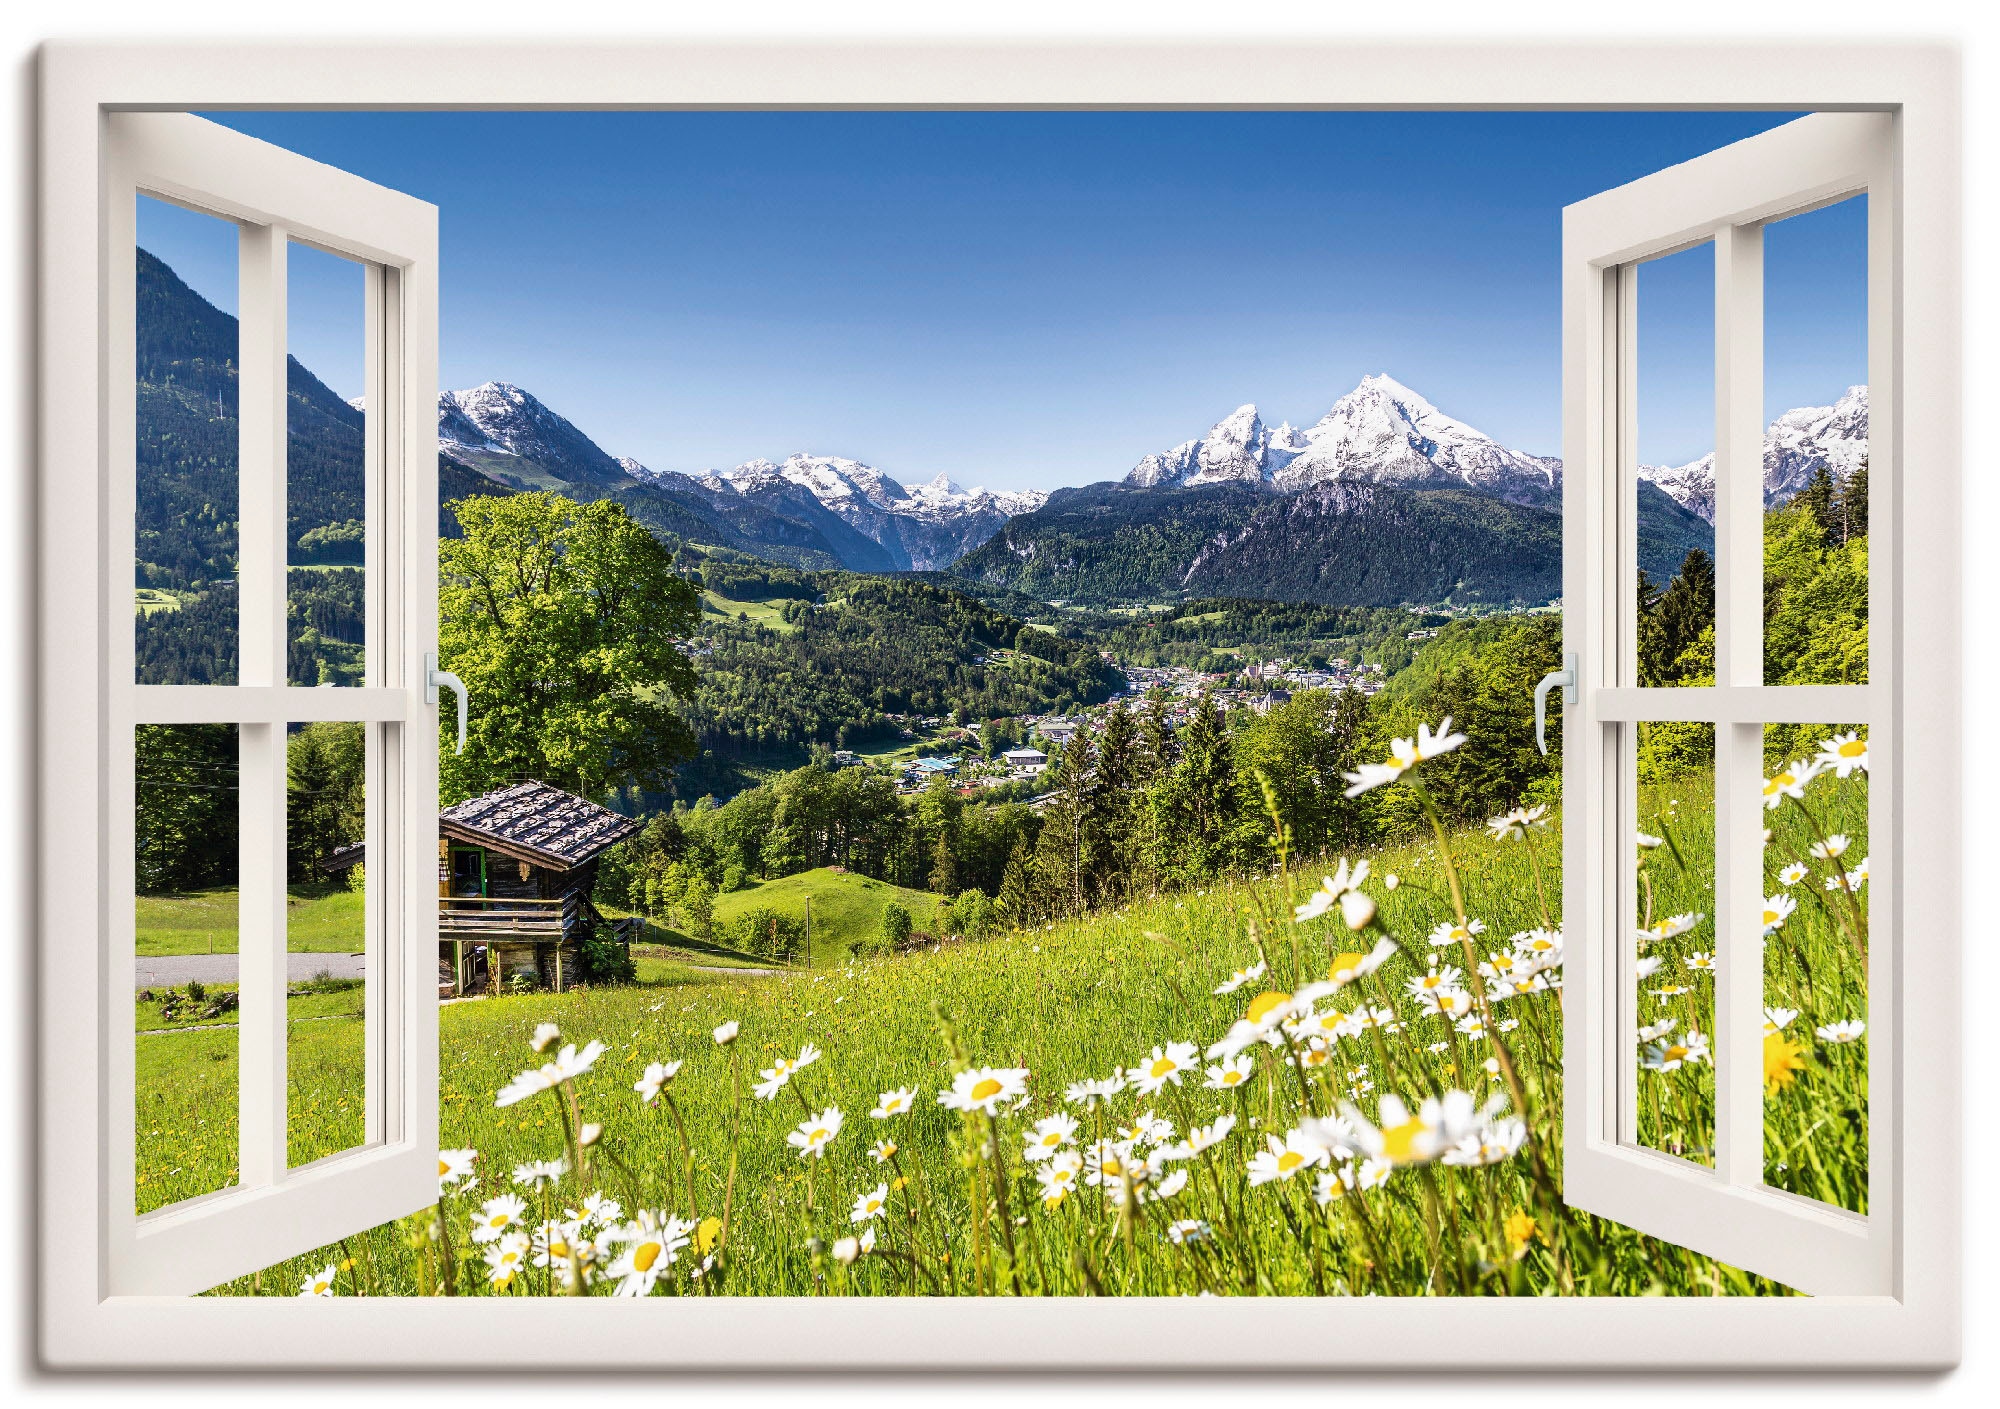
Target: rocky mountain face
<point>1379,433</point>
<point>812,510</point>
<point>1796,446</point>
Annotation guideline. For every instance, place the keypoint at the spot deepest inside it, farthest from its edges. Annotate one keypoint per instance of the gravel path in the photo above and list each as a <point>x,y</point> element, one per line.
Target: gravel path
<point>173,970</point>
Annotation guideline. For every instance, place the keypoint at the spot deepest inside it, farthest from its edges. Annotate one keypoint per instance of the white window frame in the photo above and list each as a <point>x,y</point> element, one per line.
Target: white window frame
<point>1724,198</point>
<point>1915,1323</point>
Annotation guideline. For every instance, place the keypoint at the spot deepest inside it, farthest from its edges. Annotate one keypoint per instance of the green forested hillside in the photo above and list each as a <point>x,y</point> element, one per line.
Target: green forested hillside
<point>852,650</point>
<point>1193,633</point>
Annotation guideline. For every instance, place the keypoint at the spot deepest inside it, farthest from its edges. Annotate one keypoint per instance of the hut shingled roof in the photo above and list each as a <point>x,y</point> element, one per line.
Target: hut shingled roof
<point>536,823</point>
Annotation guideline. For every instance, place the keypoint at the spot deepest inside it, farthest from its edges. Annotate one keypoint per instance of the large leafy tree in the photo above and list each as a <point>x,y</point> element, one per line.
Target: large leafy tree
<point>565,621</point>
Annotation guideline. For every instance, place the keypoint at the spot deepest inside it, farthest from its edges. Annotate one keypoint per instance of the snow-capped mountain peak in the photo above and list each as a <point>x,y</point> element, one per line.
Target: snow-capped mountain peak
<point>1796,445</point>
<point>505,432</point>
<point>1380,432</point>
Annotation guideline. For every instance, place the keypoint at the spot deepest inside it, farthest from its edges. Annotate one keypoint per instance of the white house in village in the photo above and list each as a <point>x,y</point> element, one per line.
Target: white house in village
<point>1025,763</point>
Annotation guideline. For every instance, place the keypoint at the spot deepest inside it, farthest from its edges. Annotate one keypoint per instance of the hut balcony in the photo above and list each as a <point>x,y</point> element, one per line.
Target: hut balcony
<point>482,918</point>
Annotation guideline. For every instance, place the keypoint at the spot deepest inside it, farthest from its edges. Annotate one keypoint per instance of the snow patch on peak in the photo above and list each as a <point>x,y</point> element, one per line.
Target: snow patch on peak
<point>1380,432</point>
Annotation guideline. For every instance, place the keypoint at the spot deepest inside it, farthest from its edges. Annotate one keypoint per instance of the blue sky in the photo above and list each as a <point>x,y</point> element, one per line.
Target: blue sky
<point>1029,299</point>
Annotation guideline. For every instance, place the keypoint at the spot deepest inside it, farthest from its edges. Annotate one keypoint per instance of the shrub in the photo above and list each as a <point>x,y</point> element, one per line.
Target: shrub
<point>602,960</point>
<point>895,925</point>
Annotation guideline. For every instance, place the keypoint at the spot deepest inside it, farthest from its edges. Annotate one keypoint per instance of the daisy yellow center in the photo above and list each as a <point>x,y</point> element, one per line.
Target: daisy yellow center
<point>1063,1176</point>
<point>1052,1139</point>
<point>644,1256</point>
<point>1289,1161</point>
<point>1675,1052</point>
<point>1113,1168</point>
<point>1770,917</point>
<point>1231,1078</point>
<point>1853,748</point>
<point>818,1134</point>
<point>1346,963</point>
<point>498,1220</point>
<point>1162,1066</point>
<point>443,1169</point>
<point>1399,1142</point>
<point>1263,1004</point>
<point>986,1090</point>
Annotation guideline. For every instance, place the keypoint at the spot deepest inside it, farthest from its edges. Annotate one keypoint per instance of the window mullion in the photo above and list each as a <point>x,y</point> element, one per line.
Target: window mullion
<point>1739,665</point>
<point>261,594</point>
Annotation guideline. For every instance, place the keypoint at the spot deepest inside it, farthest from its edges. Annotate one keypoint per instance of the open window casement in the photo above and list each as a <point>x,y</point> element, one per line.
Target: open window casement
<point>1720,1205</point>
<point>114,1283</point>
<point>279,203</point>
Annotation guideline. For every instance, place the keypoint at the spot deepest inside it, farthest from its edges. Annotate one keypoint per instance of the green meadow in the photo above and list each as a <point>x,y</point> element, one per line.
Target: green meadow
<point>964,1211</point>
<point>204,922</point>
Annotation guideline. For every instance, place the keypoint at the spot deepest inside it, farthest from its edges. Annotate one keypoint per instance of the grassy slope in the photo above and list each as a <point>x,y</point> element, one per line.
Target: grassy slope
<point>204,922</point>
<point>1069,1001</point>
<point>846,907</point>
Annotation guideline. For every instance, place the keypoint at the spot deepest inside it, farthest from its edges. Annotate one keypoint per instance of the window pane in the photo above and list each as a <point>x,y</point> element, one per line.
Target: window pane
<point>185,540</point>
<point>1816,962</point>
<point>1675,976</point>
<point>326,939</point>
<point>1816,448</point>
<point>326,479</point>
<point>185,860</point>
<point>1674,391</point>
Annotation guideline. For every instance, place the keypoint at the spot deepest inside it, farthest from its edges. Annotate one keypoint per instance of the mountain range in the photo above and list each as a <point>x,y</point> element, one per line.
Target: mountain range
<point>1379,433</point>
<point>811,510</point>
<point>1796,446</point>
<point>1383,500</point>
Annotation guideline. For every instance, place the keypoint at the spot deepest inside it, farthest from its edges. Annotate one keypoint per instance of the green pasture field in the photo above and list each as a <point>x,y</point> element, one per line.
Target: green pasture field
<point>771,613</point>
<point>846,906</point>
<point>204,922</point>
<point>1080,1000</point>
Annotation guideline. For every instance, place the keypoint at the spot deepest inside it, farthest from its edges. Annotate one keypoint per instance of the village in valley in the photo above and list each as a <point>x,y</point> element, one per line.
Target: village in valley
<point>935,747</point>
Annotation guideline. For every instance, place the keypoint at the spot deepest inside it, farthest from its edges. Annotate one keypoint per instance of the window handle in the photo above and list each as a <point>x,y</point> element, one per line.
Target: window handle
<point>433,677</point>
<point>1566,677</point>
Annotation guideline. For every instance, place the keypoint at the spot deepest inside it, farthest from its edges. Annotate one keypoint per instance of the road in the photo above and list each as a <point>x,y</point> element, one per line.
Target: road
<point>173,970</point>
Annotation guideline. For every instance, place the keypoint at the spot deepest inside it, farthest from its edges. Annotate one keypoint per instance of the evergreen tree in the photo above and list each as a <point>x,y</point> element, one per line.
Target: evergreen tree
<point>1817,499</point>
<point>1676,621</point>
<point>1851,508</point>
<point>1017,901</point>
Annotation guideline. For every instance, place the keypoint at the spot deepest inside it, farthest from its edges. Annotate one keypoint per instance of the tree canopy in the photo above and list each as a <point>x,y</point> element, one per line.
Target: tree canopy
<point>565,621</point>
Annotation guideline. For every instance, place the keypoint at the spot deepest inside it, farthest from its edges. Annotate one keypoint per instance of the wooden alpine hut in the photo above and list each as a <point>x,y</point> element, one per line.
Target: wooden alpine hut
<point>515,872</point>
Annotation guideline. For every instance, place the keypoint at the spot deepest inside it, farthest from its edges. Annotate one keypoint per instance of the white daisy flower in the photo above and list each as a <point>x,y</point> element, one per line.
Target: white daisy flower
<point>654,1080</point>
<point>984,1088</point>
<point>319,1283</point>
<point>1778,1019</point>
<point>1843,753</point>
<point>1163,1067</point>
<point>896,1102</point>
<point>453,1166</point>
<point>1513,826</point>
<point>870,1205</point>
<point>545,1033</point>
<point>1848,1031</point>
<point>1790,781</point>
<point>1282,1159</point>
<point>1048,1135</point>
<point>1450,933</point>
<point>726,1034</point>
<point>1776,909</point>
<point>1231,1073</point>
<point>496,1216</point>
<point>538,1172</point>
<point>1793,873</point>
<point>1241,977</point>
<point>646,1249</point>
<point>1672,1054</point>
<point>1832,848</point>
<point>813,1135</point>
